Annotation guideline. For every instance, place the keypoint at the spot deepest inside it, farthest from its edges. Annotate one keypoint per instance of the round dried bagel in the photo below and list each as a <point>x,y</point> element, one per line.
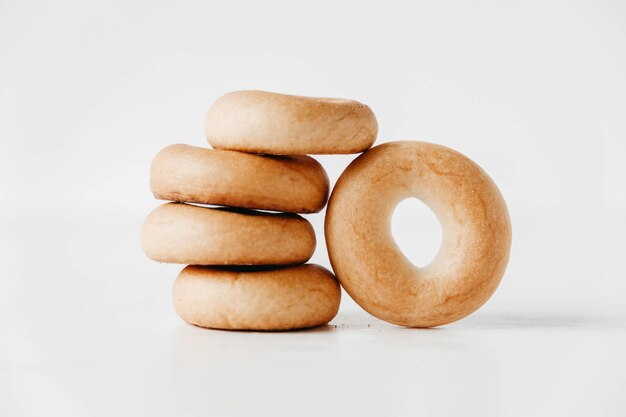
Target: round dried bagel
<point>187,234</point>
<point>295,184</point>
<point>256,298</point>
<point>280,124</point>
<point>369,264</point>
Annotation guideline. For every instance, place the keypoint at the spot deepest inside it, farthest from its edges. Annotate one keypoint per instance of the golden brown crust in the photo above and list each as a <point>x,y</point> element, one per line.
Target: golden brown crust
<point>369,264</point>
<point>280,124</point>
<point>295,184</point>
<point>187,234</point>
<point>263,299</point>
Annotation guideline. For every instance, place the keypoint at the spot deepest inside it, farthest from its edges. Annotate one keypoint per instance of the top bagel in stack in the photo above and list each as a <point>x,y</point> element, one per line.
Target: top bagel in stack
<point>280,124</point>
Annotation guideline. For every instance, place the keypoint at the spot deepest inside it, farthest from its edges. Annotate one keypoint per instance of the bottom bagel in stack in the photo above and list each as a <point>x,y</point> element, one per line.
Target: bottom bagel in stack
<point>256,297</point>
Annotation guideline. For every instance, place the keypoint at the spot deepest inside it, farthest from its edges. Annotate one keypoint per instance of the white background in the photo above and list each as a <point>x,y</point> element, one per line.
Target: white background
<point>535,92</point>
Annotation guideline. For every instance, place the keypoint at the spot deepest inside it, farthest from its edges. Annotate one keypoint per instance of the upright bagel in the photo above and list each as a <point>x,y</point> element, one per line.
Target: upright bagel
<point>369,264</point>
<point>262,122</point>
<point>295,184</point>
<point>256,299</point>
<point>186,234</point>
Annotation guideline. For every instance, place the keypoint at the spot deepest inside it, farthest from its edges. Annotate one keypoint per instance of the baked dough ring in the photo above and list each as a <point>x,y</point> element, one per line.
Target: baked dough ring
<point>295,184</point>
<point>262,122</point>
<point>256,299</point>
<point>187,234</point>
<point>373,270</point>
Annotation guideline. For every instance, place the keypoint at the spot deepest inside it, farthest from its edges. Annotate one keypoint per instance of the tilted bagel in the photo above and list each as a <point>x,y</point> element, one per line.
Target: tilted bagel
<point>369,264</point>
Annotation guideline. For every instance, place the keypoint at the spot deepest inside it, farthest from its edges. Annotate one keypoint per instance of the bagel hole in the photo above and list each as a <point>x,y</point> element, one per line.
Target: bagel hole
<point>417,231</point>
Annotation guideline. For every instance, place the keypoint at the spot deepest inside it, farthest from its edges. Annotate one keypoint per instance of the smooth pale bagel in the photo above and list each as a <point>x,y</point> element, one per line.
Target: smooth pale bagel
<point>280,124</point>
<point>256,299</point>
<point>369,264</point>
<point>187,234</point>
<point>295,184</point>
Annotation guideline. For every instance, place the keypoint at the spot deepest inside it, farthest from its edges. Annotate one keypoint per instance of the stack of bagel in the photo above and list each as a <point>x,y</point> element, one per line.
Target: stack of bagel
<point>234,211</point>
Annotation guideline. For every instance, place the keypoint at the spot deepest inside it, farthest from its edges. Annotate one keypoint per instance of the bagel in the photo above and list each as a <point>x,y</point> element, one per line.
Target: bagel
<point>262,122</point>
<point>256,298</point>
<point>370,265</point>
<point>187,234</point>
<point>296,184</point>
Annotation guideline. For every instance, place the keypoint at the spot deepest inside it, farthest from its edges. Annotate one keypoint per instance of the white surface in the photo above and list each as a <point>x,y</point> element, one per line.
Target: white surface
<point>90,91</point>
